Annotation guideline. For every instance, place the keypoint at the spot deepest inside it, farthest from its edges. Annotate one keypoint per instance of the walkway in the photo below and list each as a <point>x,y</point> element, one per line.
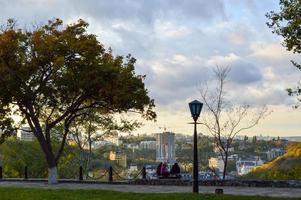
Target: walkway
<point>249,191</point>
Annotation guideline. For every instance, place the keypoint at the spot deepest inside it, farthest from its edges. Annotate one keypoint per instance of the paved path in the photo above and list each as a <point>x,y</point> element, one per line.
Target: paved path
<point>249,191</point>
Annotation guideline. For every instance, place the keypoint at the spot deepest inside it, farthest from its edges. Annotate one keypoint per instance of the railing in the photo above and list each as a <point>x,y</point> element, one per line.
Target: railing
<point>109,172</point>
<point>113,176</point>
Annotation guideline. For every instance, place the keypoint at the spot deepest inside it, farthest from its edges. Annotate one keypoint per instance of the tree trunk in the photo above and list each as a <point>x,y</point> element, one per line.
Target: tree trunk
<point>44,140</point>
<point>52,175</point>
<point>50,159</point>
<point>89,156</point>
<point>52,168</point>
<point>225,165</point>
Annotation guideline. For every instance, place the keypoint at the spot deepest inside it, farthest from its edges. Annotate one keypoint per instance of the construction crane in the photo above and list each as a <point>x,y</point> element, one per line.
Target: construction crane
<point>164,128</point>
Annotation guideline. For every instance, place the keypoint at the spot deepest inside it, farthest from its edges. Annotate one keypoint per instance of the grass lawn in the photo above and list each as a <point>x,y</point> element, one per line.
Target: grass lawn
<point>57,194</point>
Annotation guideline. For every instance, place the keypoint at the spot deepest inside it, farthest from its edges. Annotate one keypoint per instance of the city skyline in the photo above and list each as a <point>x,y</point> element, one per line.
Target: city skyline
<point>177,44</point>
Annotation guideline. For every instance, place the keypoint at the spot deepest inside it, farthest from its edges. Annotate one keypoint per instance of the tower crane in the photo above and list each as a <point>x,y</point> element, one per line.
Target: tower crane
<point>164,128</point>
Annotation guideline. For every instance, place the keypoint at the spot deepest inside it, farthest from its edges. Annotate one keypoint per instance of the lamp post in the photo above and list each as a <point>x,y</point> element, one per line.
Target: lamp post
<point>195,109</point>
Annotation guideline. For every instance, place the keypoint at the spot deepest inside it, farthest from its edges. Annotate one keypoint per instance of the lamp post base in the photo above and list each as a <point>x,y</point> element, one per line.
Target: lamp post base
<point>195,187</point>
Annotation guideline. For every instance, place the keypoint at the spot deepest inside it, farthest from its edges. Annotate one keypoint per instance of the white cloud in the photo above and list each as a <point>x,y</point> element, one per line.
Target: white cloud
<point>170,30</point>
<point>223,60</point>
<point>177,43</point>
<point>238,34</point>
<point>270,51</point>
<point>269,74</point>
<point>235,38</point>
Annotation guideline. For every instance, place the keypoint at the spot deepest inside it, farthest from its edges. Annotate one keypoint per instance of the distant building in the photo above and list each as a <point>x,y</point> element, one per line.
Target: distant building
<point>119,157</point>
<point>217,150</point>
<point>133,168</point>
<point>274,153</point>
<point>243,146</point>
<point>245,166</point>
<point>293,138</point>
<point>233,157</point>
<point>98,144</point>
<point>147,145</point>
<point>25,134</point>
<point>132,146</point>
<point>183,137</point>
<point>216,163</point>
<point>284,141</point>
<point>165,147</point>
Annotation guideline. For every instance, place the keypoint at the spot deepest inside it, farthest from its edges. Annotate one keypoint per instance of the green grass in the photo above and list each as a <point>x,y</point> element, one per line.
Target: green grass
<point>67,194</point>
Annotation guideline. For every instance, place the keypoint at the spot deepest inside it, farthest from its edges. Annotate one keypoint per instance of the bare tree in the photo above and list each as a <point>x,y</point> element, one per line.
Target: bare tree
<point>223,120</point>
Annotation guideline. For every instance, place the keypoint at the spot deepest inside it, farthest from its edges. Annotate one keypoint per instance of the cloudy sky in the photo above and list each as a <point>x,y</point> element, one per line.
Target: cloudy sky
<point>177,45</point>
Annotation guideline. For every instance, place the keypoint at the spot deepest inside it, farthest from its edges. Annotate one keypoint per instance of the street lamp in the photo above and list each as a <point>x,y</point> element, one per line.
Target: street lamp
<point>195,109</point>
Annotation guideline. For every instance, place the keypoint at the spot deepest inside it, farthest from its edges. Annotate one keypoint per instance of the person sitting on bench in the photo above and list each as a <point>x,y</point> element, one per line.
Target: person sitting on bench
<point>175,170</point>
<point>164,170</point>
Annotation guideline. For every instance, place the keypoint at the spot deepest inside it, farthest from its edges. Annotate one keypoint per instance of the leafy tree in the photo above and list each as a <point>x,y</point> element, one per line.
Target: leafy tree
<point>53,74</point>
<point>231,166</point>
<point>7,125</point>
<point>246,139</point>
<point>287,23</point>
<point>254,140</point>
<point>93,127</point>
<point>131,139</point>
<point>16,154</point>
<point>285,167</point>
<point>6,133</point>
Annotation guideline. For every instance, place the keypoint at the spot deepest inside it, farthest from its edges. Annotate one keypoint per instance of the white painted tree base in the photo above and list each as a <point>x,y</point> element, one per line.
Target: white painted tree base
<point>52,175</point>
